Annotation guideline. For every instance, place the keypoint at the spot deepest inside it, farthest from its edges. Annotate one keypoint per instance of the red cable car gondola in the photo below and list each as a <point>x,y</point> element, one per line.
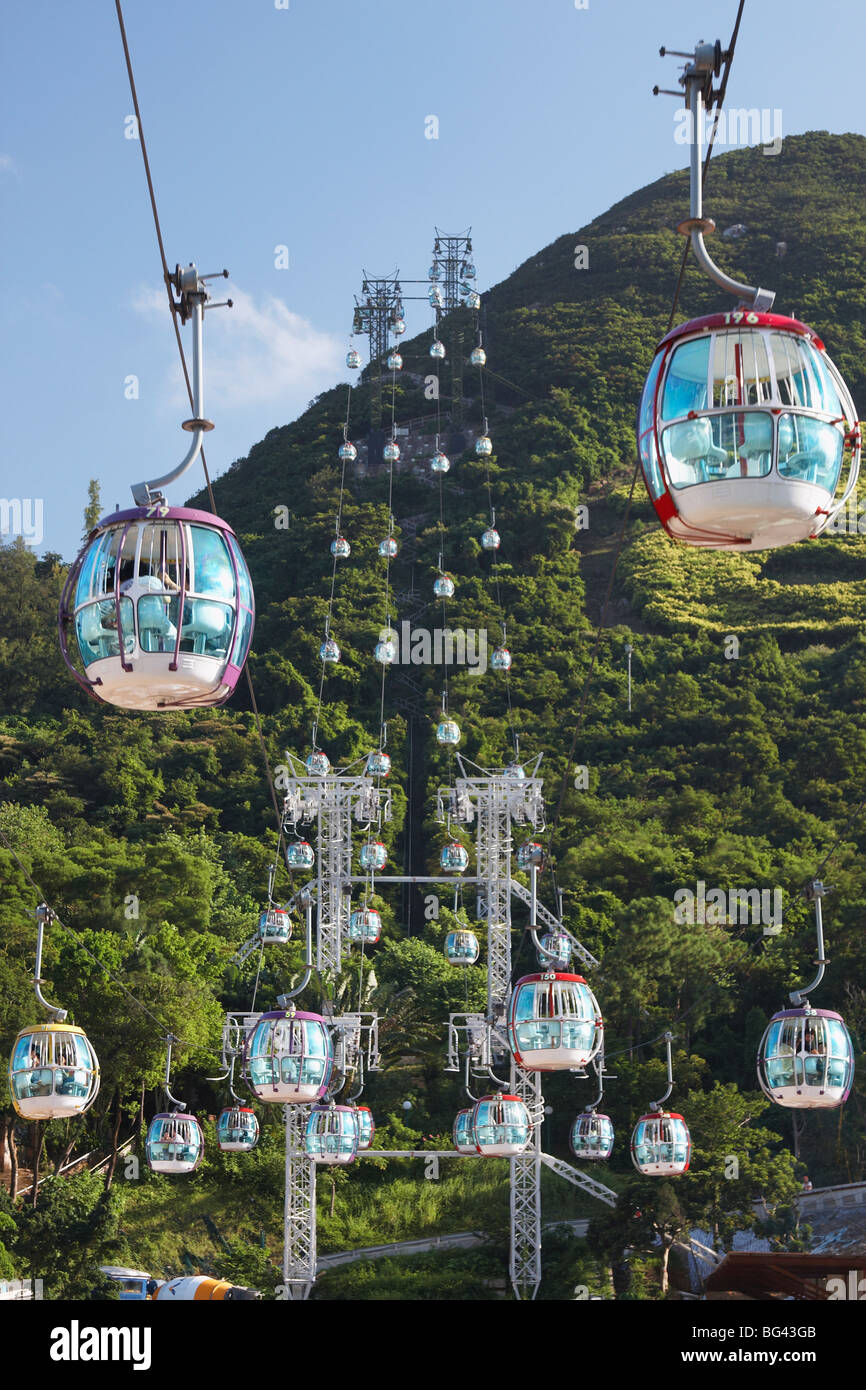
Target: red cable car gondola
<point>747,434</point>
<point>554,1022</point>
<point>745,430</point>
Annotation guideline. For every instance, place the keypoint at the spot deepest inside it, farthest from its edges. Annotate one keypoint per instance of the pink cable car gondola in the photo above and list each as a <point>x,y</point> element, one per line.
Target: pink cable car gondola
<point>157,611</point>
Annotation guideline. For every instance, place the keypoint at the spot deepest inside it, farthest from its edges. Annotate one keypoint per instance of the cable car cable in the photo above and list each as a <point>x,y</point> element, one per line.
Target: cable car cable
<point>582,707</point>
<point>174,316</point>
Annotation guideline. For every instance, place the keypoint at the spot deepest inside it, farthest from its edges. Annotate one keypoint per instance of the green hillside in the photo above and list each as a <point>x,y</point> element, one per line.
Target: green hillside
<point>737,771</point>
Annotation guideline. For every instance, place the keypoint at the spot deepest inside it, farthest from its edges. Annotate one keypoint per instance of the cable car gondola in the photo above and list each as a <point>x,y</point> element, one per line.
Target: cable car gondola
<point>53,1071</point>
<point>461,947</point>
<point>373,855</point>
<point>448,732</point>
<point>806,1057</point>
<point>347,453</point>
<point>300,854</point>
<point>158,608</point>
<point>340,548</point>
<point>454,858</point>
<point>332,1134</point>
<point>556,951</point>
<point>330,650</point>
<point>364,926</point>
<point>463,1134</point>
<point>353,358</point>
<point>174,1144</point>
<point>366,1126</point>
<point>287,1057</point>
<point>275,925</point>
<point>385,649</point>
<point>592,1136</point>
<point>661,1145</point>
<point>160,604</point>
<point>318,764</point>
<point>530,854</point>
<point>443,586</point>
<point>378,764</point>
<point>501,1126</point>
<point>237,1129</point>
<point>388,548</point>
<point>554,1022</point>
<point>747,434</point>
<point>745,429</point>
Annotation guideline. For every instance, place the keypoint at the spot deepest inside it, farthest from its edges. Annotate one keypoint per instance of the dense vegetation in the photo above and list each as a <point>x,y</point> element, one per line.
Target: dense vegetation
<point>151,835</point>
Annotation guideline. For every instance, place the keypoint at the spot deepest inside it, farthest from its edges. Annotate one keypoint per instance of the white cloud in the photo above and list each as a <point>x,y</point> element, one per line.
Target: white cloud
<point>257,353</point>
<point>8,165</point>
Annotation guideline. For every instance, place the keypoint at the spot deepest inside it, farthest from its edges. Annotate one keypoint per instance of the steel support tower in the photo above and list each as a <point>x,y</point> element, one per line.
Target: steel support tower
<point>452,254</point>
<point>376,311</point>
<point>496,801</point>
<point>299,1209</point>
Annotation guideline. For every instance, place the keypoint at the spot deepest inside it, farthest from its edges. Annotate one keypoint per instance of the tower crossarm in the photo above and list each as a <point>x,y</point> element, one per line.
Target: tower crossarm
<point>246,950</point>
<point>551,922</point>
<point>581,1180</point>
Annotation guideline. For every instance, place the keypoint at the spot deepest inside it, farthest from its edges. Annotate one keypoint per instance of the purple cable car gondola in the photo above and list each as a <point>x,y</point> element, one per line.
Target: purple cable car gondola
<point>806,1059</point>
<point>592,1136</point>
<point>174,1144</point>
<point>158,608</point>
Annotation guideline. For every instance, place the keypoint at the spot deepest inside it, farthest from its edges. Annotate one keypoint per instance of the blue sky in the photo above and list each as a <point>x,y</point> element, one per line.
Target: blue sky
<point>305,127</point>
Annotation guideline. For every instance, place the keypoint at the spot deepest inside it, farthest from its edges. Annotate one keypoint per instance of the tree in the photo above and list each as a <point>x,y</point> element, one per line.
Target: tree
<point>93,510</point>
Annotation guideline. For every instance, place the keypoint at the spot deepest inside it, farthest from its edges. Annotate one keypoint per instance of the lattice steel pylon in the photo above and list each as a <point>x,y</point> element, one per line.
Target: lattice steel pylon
<point>377,309</point>
<point>497,801</point>
<point>452,256</point>
<point>332,802</point>
<point>524,1265</point>
<point>299,1209</point>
